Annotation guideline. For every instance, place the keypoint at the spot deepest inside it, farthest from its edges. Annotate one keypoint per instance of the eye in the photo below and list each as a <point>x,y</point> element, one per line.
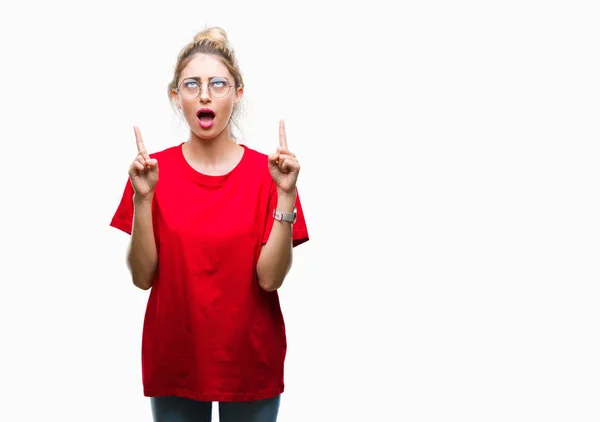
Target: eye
<point>218,83</point>
<point>190,84</point>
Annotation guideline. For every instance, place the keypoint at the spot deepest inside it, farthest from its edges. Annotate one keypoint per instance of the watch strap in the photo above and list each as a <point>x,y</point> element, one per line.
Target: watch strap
<point>290,217</point>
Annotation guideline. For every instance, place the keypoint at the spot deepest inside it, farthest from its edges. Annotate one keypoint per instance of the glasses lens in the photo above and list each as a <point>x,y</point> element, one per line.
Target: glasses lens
<point>218,87</point>
<point>189,89</point>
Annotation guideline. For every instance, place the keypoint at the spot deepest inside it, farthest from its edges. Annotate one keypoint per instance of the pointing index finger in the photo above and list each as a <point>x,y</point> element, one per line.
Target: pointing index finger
<point>282,137</point>
<point>140,142</point>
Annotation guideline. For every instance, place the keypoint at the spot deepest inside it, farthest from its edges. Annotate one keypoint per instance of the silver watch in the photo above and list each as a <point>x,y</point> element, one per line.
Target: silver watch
<point>290,217</point>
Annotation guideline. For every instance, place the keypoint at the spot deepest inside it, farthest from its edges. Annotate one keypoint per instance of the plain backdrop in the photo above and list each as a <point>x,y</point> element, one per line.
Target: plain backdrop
<point>449,179</point>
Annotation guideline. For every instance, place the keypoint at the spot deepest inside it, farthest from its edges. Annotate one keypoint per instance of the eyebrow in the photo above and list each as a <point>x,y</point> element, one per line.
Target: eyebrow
<point>198,77</point>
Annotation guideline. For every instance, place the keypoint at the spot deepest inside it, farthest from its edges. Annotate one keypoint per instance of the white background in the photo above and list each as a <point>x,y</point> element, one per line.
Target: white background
<point>449,178</point>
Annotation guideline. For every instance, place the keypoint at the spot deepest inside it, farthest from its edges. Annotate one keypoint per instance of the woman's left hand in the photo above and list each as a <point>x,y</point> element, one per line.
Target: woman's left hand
<point>283,165</point>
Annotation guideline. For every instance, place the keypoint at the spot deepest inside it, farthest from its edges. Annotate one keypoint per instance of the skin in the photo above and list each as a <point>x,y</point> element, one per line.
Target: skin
<point>211,151</point>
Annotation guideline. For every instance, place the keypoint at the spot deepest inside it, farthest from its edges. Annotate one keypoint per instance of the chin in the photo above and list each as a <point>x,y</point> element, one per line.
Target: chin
<point>207,134</point>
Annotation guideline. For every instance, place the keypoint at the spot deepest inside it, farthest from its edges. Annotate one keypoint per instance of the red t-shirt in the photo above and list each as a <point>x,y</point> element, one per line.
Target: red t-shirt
<point>211,333</point>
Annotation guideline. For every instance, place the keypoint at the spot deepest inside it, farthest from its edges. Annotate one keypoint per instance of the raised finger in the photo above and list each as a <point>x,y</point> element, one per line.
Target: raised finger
<point>282,137</point>
<point>140,143</point>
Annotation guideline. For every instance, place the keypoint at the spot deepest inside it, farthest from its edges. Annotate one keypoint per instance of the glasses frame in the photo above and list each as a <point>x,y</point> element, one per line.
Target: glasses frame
<point>200,83</point>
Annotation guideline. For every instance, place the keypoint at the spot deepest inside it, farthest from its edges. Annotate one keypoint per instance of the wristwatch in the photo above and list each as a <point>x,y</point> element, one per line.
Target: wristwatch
<point>290,217</point>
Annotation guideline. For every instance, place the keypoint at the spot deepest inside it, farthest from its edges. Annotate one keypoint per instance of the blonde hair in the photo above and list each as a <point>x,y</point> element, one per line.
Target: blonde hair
<point>209,41</point>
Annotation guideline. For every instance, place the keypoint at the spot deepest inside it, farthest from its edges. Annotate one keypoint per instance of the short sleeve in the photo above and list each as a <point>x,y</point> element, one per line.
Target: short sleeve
<point>123,217</point>
<point>299,229</point>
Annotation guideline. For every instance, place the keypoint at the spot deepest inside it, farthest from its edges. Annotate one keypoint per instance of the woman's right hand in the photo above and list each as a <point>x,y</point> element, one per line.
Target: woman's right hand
<point>143,172</point>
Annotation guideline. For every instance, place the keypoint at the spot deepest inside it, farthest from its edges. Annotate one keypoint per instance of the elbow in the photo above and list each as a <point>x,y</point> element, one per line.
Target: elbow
<point>144,285</point>
<point>272,270</point>
<point>141,279</point>
<point>268,280</point>
<point>269,285</point>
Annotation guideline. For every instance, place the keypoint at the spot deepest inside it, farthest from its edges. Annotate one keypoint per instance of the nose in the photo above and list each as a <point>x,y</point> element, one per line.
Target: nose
<point>204,94</point>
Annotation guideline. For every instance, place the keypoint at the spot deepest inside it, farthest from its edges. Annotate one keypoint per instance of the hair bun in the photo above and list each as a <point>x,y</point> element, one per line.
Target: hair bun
<point>214,35</point>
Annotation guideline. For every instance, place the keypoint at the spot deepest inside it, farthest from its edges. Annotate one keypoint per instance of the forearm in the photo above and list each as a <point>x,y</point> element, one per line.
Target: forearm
<point>276,255</point>
<point>142,258</point>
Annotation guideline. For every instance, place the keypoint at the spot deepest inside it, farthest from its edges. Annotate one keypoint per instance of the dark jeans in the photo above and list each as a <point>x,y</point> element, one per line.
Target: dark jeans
<point>178,409</point>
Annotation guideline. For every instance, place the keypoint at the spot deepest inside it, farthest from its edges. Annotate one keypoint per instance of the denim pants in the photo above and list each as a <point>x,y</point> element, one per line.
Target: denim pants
<point>178,409</point>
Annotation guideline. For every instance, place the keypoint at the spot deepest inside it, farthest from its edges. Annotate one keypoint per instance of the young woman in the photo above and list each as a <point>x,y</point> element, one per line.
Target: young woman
<point>213,238</point>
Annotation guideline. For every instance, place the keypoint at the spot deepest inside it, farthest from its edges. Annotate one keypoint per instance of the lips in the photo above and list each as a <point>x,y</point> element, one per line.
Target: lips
<point>206,117</point>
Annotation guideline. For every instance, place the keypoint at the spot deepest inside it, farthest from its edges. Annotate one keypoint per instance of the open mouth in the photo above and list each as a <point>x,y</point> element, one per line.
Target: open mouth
<point>206,117</point>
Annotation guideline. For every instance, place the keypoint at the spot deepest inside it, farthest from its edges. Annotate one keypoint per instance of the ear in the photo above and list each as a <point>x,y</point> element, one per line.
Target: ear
<point>175,98</point>
<point>239,93</point>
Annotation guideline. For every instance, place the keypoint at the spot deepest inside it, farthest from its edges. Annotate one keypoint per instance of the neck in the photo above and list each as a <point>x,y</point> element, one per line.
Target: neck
<point>210,152</point>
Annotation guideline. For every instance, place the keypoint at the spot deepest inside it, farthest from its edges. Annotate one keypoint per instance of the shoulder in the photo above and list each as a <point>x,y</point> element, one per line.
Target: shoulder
<point>255,158</point>
<point>254,154</point>
<point>167,153</point>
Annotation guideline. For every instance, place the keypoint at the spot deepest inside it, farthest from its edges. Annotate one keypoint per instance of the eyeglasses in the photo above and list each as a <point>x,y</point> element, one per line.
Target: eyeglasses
<point>190,88</point>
